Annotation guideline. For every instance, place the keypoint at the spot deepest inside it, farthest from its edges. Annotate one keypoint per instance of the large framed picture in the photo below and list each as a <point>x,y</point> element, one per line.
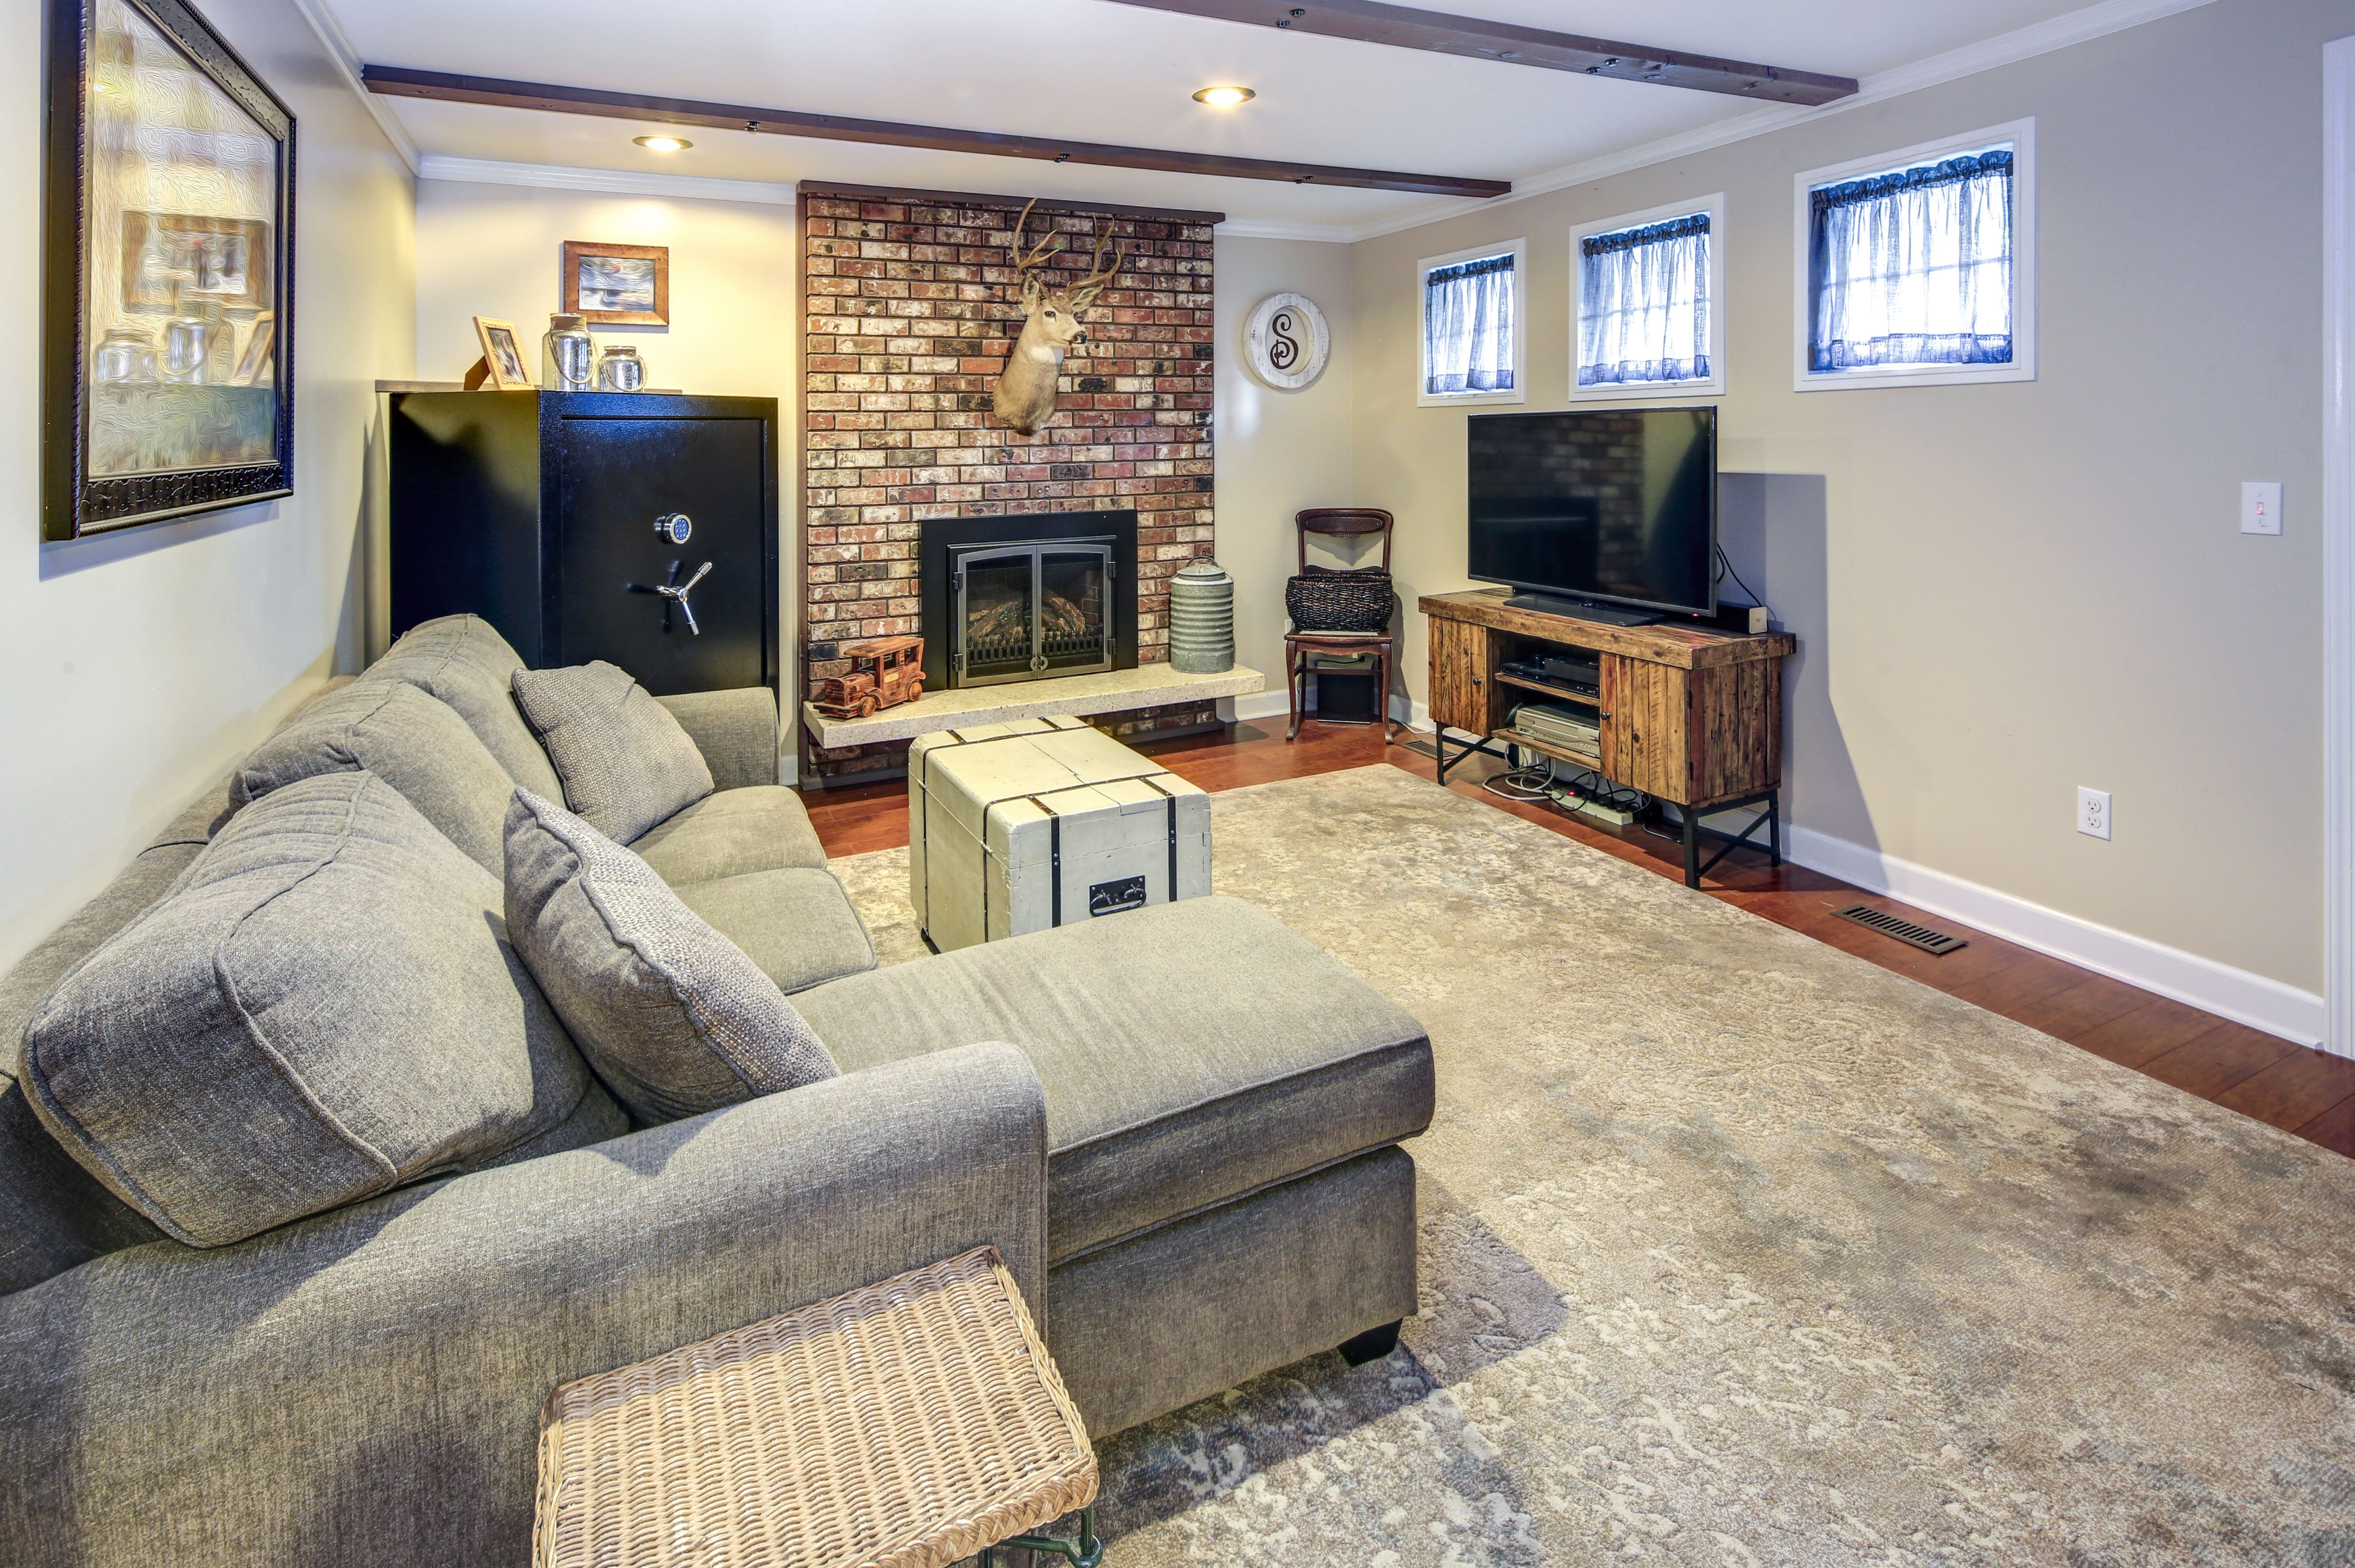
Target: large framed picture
<point>617,285</point>
<point>167,273</point>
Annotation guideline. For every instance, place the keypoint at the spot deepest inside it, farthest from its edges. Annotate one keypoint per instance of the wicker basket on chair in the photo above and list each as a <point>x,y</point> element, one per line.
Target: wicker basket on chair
<point>1325,599</point>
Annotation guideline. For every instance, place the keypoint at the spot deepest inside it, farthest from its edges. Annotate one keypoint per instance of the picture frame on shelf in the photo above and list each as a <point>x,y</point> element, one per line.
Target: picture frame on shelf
<point>167,264</point>
<point>616,285</point>
<point>503,365</point>
<point>254,361</point>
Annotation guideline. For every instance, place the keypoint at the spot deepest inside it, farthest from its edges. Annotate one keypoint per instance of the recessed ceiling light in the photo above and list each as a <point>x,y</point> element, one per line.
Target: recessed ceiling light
<point>1224,97</point>
<point>663,144</point>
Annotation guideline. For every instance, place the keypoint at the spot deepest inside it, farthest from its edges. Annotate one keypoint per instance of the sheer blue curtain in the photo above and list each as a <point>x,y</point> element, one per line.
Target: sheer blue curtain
<point>1467,326</point>
<point>1642,308</point>
<point>1914,267</point>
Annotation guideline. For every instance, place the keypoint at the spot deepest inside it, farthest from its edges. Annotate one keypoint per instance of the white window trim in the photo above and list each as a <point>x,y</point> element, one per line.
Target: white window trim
<point>1710,386</point>
<point>1423,395</point>
<point>2021,135</point>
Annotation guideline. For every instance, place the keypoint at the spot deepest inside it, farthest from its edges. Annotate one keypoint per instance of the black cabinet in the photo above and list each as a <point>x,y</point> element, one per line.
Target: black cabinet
<point>562,518</point>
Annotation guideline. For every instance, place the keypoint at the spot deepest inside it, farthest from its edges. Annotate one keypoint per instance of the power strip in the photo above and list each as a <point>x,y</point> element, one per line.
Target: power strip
<point>1600,815</point>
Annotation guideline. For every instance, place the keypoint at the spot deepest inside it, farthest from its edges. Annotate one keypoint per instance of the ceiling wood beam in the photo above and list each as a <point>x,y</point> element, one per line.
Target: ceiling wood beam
<point>976,198</point>
<point>442,87</point>
<point>1475,37</point>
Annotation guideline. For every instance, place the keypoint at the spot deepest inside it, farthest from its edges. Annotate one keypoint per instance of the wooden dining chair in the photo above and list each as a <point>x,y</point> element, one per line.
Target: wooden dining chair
<point>1300,647</point>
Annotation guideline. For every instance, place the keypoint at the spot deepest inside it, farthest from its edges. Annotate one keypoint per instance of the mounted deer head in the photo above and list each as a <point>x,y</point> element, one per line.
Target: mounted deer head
<point>1024,394</point>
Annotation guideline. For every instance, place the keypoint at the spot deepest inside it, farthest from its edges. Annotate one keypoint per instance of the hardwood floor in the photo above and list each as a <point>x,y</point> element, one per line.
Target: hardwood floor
<point>2308,1092</point>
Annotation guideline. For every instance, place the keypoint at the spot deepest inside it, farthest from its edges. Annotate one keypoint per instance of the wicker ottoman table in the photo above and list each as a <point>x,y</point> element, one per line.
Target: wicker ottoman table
<point>908,1425</point>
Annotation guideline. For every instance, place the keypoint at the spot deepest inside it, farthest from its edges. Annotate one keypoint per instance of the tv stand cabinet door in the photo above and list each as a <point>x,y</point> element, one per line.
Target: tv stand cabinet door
<point>1463,676</point>
<point>1646,715</point>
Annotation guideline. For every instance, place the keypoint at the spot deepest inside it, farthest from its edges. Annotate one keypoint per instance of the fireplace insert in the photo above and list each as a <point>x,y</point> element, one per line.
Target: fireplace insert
<point>1028,597</point>
<point>1029,609</point>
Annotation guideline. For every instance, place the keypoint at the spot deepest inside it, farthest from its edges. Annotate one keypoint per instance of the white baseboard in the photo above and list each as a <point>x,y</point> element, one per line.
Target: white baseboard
<point>2187,978</point>
<point>789,768</point>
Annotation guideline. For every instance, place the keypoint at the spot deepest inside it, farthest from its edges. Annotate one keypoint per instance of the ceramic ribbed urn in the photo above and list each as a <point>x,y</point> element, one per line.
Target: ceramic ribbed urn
<point>1202,619</point>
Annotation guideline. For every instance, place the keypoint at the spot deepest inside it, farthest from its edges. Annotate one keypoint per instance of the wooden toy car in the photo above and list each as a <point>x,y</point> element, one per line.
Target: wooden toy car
<point>884,673</point>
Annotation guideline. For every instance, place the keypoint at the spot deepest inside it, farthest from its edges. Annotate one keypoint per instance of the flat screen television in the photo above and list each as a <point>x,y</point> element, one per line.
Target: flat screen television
<point>1598,512</point>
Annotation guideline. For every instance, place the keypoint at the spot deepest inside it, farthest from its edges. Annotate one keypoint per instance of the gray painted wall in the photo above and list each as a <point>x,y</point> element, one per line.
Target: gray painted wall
<point>141,666</point>
<point>2003,592</point>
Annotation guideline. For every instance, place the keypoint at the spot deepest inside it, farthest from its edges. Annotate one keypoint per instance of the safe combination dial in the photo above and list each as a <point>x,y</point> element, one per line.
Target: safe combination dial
<point>674,527</point>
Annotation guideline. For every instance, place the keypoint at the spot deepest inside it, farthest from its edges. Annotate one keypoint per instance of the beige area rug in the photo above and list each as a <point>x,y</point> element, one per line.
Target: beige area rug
<point>1738,1250</point>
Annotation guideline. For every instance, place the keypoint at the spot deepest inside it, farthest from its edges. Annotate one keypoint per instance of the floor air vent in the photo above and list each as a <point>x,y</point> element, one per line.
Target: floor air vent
<point>1905,931</point>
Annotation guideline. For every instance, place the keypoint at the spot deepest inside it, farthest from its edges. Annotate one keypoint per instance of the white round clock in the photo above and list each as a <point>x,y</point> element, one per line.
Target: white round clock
<point>1287,341</point>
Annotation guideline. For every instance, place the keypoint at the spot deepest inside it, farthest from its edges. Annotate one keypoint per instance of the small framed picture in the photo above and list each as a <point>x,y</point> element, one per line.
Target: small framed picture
<point>260,345</point>
<point>617,285</point>
<point>503,353</point>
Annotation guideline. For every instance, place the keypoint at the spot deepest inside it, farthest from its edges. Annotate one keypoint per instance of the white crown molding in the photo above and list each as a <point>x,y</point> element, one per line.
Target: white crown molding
<point>347,66</point>
<point>2237,994</point>
<point>1251,229</point>
<point>2004,48</point>
<point>613,181</point>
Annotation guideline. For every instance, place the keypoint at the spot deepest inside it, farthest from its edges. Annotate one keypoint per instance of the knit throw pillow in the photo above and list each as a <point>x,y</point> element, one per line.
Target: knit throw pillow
<point>672,1015</point>
<point>626,762</point>
<point>322,1007</point>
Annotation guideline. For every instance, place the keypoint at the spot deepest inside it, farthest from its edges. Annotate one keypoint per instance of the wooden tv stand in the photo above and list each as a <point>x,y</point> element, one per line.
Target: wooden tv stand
<point>1691,718</point>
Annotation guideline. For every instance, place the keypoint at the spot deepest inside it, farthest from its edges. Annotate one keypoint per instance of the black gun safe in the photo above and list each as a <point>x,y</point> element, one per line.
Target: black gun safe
<point>640,528</point>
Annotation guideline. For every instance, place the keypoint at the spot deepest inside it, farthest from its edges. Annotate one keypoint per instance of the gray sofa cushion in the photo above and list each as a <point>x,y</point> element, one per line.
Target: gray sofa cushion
<point>797,923</point>
<point>322,1007</point>
<point>673,1017</point>
<point>736,730</point>
<point>763,828</point>
<point>413,742</point>
<point>1191,1052</point>
<point>626,762</point>
<point>462,661</point>
<point>53,1213</point>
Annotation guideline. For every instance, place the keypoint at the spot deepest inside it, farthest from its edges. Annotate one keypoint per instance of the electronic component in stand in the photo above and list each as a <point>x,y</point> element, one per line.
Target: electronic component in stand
<point>1572,672</point>
<point>1582,676</point>
<point>1557,726</point>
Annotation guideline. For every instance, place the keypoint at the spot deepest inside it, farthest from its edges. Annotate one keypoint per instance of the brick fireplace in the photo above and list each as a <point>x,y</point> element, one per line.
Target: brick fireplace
<point>909,319</point>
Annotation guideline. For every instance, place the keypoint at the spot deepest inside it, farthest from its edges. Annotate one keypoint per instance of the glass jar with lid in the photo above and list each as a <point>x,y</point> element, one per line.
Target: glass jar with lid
<point>568,355</point>
<point>619,368</point>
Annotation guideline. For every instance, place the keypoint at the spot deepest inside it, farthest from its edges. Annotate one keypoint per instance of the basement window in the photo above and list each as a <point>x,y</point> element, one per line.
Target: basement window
<point>1473,332</point>
<point>1645,292</point>
<point>1917,268</point>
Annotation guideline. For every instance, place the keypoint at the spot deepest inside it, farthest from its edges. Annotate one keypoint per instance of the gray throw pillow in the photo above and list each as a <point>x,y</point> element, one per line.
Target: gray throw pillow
<point>413,742</point>
<point>322,1007</point>
<point>626,762</point>
<point>463,660</point>
<point>672,1015</point>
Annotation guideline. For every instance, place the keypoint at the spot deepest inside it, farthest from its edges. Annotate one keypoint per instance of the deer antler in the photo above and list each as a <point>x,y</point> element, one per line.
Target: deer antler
<point>1088,288</point>
<point>1026,265</point>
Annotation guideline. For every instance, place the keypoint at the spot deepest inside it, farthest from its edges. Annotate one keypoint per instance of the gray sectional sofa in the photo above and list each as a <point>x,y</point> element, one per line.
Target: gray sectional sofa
<point>1180,1126</point>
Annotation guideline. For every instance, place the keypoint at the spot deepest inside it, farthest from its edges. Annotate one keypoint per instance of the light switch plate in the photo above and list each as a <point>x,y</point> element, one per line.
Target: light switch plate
<point>2261,506</point>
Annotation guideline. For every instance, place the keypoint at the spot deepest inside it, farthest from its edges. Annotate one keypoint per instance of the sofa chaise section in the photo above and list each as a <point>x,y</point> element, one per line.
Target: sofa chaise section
<point>1221,1094</point>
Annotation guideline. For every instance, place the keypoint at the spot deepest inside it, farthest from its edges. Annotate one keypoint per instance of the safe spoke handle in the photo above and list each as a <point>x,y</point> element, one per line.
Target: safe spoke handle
<point>676,592</point>
<point>677,595</point>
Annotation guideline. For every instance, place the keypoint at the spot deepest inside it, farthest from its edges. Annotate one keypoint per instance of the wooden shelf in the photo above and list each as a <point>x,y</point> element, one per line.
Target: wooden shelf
<point>1547,748</point>
<point>1564,692</point>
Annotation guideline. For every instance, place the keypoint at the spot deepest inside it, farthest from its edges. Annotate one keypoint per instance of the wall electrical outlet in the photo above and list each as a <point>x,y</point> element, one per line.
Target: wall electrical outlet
<point>2094,813</point>
<point>2261,506</point>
